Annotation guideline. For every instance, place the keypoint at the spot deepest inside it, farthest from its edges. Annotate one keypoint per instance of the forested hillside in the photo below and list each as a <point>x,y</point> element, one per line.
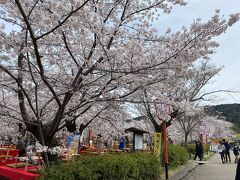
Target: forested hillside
<point>230,111</point>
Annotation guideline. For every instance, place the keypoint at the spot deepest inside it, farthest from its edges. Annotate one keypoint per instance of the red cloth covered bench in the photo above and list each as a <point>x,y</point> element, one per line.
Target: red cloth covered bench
<point>17,174</point>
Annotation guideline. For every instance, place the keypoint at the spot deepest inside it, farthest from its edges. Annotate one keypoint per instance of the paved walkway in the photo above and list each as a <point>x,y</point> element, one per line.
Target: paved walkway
<point>214,170</point>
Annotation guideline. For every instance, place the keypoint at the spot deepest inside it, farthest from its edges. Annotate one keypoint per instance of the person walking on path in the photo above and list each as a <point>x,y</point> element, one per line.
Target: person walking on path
<point>227,151</point>
<point>236,152</point>
<point>198,150</point>
<point>221,150</point>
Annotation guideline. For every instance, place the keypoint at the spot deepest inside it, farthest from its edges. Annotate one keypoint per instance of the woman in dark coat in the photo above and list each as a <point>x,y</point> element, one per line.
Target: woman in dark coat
<point>198,150</point>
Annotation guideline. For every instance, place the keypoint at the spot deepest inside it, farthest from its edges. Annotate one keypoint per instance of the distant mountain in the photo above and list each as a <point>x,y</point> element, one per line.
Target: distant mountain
<point>230,111</point>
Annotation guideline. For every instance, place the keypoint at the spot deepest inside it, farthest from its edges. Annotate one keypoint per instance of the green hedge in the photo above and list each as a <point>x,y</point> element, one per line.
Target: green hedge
<point>142,166</point>
<point>191,148</point>
<point>109,167</point>
<point>178,155</point>
<point>206,148</point>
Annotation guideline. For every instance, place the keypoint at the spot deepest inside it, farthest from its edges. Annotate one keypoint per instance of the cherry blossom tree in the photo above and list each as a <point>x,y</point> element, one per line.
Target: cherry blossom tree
<point>218,127</point>
<point>63,59</point>
<point>189,92</point>
<point>190,121</point>
<point>183,91</point>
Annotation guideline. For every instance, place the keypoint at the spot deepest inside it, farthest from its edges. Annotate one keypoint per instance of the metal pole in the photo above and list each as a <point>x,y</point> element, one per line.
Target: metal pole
<point>164,126</point>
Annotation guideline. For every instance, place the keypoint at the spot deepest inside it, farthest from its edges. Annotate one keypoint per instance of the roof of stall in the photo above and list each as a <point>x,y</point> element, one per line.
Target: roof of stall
<point>135,130</point>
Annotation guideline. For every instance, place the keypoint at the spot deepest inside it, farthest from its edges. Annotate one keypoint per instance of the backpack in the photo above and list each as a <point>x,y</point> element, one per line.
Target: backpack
<point>235,150</point>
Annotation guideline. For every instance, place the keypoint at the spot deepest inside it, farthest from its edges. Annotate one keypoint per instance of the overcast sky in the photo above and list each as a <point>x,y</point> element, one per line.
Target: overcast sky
<point>229,50</point>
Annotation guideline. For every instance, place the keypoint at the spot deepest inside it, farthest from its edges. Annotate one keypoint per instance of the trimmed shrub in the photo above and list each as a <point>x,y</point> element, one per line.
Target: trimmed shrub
<point>178,155</point>
<point>206,148</point>
<point>110,167</point>
<point>191,148</point>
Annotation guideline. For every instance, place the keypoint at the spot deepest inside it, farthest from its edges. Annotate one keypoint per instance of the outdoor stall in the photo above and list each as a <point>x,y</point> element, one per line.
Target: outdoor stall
<point>137,138</point>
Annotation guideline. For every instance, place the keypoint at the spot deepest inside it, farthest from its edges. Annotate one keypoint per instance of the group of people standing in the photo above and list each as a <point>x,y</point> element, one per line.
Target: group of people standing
<point>110,142</point>
<point>224,151</point>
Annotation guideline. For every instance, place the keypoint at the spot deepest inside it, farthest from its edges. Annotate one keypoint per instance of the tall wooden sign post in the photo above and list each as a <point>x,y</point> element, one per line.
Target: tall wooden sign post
<point>165,145</point>
<point>164,113</point>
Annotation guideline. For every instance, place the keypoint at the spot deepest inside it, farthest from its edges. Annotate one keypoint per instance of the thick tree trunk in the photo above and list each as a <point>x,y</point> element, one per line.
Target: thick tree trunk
<point>41,135</point>
<point>81,128</point>
<point>44,139</point>
<point>186,134</point>
<point>186,139</point>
